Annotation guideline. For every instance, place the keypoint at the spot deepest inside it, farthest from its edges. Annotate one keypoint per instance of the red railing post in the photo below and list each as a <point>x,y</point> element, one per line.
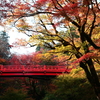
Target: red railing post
<point>1,67</point>
<point>44,68</point>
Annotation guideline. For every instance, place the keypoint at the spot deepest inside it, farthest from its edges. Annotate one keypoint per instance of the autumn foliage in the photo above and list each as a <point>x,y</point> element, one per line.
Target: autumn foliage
<point>69,28</point>
<point>37,58</point>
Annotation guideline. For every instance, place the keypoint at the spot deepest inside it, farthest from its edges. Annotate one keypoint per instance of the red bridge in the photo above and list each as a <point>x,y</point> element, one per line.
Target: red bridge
<point>30,70</point>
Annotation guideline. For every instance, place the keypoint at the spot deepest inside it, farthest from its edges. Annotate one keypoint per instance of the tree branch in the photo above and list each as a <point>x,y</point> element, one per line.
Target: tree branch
<point>88,38</point>
<point>93,22</point>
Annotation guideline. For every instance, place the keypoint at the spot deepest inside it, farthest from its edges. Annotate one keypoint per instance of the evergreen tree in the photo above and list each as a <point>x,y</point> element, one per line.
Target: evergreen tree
<point>4,45</point>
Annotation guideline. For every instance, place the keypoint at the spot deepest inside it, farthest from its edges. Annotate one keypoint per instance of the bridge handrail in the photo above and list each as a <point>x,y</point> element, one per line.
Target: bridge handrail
<point>15,67</point>
<point>30,70</point>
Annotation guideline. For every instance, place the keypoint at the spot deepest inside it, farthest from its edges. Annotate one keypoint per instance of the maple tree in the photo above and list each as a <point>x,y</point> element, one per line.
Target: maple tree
<point>21,60</point>
<point>37,58</point>
<point>5,7</point>
<point>70,27</point>
<point>36,87</point>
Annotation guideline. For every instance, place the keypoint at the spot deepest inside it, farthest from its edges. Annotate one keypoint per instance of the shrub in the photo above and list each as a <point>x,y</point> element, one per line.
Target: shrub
<point>71,87</point>
<point>13,94</point>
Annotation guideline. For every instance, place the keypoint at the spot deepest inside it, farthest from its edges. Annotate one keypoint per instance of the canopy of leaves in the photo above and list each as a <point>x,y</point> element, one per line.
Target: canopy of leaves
<point>49,23</point>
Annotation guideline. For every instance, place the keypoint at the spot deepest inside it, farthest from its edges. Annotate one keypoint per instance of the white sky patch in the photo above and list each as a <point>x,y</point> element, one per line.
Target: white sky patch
<point>22,50</point>
<point>13,36</point>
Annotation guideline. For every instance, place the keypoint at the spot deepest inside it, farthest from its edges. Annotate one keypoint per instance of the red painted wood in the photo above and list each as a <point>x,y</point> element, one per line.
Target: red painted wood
<point>30,70</point>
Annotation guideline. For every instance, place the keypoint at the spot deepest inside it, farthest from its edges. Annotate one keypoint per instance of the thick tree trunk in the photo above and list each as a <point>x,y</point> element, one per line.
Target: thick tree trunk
<point>88,66</point>
<point>98,97</point>
<point>95,78</point>
<point>92,76</point>
<point>97,92</point>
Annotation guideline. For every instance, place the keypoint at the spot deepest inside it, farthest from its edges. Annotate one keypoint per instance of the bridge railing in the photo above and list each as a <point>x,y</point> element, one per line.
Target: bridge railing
<point>32,68</point>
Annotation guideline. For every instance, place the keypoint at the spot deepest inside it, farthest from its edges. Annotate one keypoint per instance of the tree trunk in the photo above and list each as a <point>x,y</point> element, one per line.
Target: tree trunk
<point>88,66</point>
<point>92,76</point>
<point>98,97</point>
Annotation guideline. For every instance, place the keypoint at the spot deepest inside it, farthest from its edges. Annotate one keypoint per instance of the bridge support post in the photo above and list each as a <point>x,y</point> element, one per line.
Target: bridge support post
<point>44,69</point>
<point>0,72</point>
